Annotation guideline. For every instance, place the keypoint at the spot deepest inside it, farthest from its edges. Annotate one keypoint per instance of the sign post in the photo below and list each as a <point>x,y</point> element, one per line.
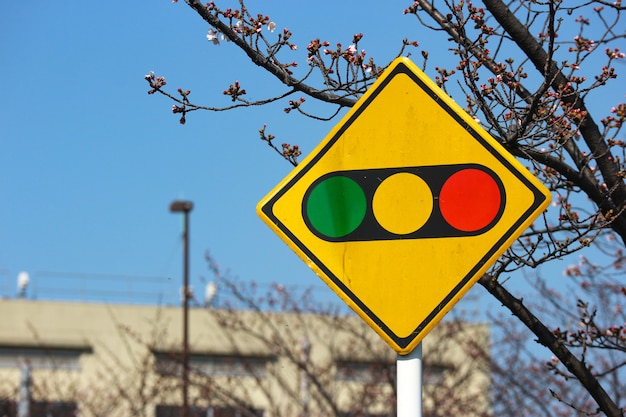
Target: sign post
<point>409,187</point>
<point>409,380</point>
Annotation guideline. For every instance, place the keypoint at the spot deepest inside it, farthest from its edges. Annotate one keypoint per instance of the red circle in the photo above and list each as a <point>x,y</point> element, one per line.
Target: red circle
<point>470,200</point>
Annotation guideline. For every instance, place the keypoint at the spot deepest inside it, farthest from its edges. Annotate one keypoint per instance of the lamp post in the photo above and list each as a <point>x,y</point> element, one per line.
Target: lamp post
<point>185,207</point>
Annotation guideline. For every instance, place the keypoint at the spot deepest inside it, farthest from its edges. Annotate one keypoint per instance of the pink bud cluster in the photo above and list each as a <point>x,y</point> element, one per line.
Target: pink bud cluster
<point>241,22</point>
<point>412,9</point>
<point>582,44</point>
<point>314,46</point>
<point>443,76</point>
<point>614,53</point>
<point>155,82</point>
<point>266,137</point>
<point>234,91</point>
<point>287,151</point>
<point>291,152</point>
<point>294,105</point>
<point>618,120</point>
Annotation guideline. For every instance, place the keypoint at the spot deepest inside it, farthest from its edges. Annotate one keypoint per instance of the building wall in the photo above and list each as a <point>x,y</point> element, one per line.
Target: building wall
<point>125,360</point>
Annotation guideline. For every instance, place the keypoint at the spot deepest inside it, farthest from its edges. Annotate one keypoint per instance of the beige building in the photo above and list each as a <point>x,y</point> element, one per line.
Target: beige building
<point>98,359</point>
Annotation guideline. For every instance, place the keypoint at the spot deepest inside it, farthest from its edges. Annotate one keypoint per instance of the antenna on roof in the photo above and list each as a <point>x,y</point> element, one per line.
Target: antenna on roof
<point>22,283</point>
<point>210,291</point>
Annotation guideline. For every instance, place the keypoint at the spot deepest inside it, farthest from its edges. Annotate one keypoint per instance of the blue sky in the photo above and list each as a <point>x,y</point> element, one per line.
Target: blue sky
<point>89,162</point>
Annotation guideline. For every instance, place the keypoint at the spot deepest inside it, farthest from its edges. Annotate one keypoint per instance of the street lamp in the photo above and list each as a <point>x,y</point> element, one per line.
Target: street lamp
<point>185,207</point>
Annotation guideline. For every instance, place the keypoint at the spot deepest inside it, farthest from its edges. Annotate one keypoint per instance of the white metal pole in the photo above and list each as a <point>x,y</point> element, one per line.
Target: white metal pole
<point>409,380</point>
<point>23,406</point>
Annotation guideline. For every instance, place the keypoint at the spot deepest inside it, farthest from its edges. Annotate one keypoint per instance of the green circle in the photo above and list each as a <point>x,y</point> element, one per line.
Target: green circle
<point>336,206</point>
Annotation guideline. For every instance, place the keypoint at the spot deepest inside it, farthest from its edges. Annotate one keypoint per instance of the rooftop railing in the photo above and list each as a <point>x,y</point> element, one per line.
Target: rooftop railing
<point>167,291</point>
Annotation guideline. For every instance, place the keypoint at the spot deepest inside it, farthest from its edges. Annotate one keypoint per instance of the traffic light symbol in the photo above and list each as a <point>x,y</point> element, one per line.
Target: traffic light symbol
<point>404,203</point>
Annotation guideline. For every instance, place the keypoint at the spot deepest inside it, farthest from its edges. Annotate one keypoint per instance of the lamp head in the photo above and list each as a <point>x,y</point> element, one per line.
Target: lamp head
<point>181,206</point>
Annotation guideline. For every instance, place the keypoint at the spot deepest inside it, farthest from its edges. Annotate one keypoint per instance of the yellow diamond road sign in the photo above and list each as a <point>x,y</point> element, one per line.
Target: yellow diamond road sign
<point>404,205</point>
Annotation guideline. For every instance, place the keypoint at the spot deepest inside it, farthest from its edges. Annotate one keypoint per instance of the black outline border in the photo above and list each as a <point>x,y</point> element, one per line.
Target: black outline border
<point>403,342</point>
